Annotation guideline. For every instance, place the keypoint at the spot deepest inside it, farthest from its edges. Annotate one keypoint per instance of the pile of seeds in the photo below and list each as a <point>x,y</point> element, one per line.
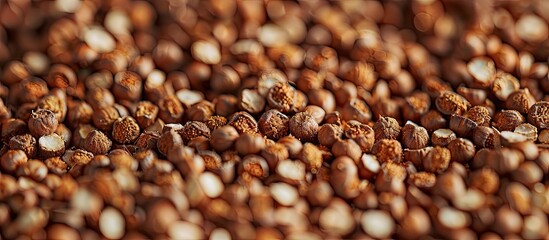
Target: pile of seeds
<point>274,119</point>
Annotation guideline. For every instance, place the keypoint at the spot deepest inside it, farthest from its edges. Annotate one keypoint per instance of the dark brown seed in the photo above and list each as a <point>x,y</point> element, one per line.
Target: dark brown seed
<point>304,127</point>
<point>26,143</point>
<point>462,126</point>
<point>125,130</point>
<point>281,97</point>
<point>507,120</point>
<point>146,113</point>
<point>538,115</point>
<point>42,122</point>
<point>170,109</point>
<point>386,128</point>
<point>193,129</point>
<point>243,122</point>
<point>274,124</point>
<point>414,136</point>
<point>97,142</point>
<point>520,100</point>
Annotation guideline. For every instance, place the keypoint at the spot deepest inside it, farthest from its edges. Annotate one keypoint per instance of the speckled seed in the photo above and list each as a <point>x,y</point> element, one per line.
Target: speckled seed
<point>304,127</point>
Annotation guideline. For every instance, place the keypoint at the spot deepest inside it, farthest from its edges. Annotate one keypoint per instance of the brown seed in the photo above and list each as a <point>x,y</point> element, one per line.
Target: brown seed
<point>125,130</point>
<point>368,166</point>
<point>451,103</point>
<point>316,112</point>
<point>386,128</point>
<point>225,105</point>
<point>243,122</point>
<point>304,127</point>
<point>414,136</point>
<point>424,180</point>
<point>104,118</point>
<point>147,140</point>
<point>225,80</point>
<point>462,150</point>
<point>356,109</point>
<point>293,145</point>
<point>146,113</point>
<point>255,166</point>
<point>51,146</point>
<point>249,144</point>
<point>42,122</point>
<point>538,115</point>
<point>520,100</point>
<point>309,79</point>
<point>345,93</point>
<point>362,74</point>
<point>251,101</point>
<point>474,96</point>
<point>347,147</point>
<point>312,156</point>
<point>274,124</point>
<point>328,134</point>
<point>322,98</point>
<point>80,113</point>
<point>99,98</point>
<point>387,150</point>
<point>416,106</point>
<point>30,90</point>
<point>360,133</point>
<point>55,104</point>
<point>97,142</point>
<point>504,85</point>
<point>25,142</point>
<point>215,122</point>
<point>433,120</point>
<point>462,126</point>
<point>507,120</point>
<point>486,137</point>
<point>170,109</point>
<point>13,159</point>
<point>80,133</point>
<point>127,86</point>
<point>441,137</point>
<point>223,138</point>
<point>281,97</point>
<point>193,129</point>
<point>344,177</point>
<point>480,115</point>
<point>544,136</point>
<point>275,153</point>
<point>437,160</point>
